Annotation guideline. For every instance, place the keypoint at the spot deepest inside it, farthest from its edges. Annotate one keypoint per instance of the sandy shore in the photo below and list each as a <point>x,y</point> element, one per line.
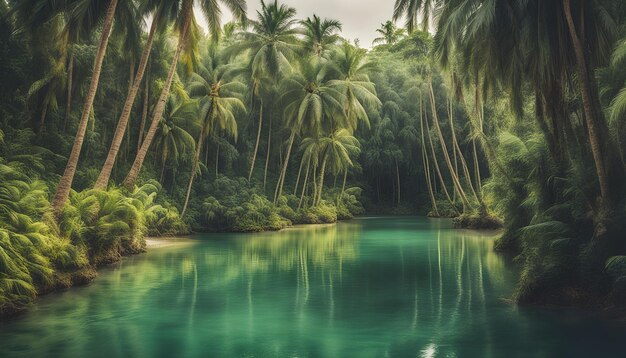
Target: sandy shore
<point>157,242</point>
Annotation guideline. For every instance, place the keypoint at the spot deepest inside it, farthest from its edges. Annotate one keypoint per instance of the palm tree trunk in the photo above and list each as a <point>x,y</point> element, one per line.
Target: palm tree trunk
<point>269,147</point>
<point>295,190</point>
<point>343,186</point>
<point>444,149</point>
<point>133,173</point>
<point>438,170</point>
<point>458,154</point>
<point>398,178</point>
<point>322,173</point>
<point>65,184</point>
<point>594,123</point>
<point>426,163</point>
<point>281,179</point>
<point>44,111</point>
<point>194,169</point>
<point>258,138</point>
<point>144,112</point>
<point>163,167</point>
<point>306,179</point>
<point>479,185</point>
<point>217,159</point>
<point>122,123</point>
<point>68,95</point>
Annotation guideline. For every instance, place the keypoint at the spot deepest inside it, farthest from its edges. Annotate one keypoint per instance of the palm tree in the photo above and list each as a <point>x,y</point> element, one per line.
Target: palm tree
<point>184,22</point>
<point>217,103</point>
<point>320,35</point>
<point>390,34</point>
<point>310,148</point>
<point>531,47</point>
<point>162,12</point>
<point>335,150</point>
<point>310,104</point>
<point>65,184</point>
<point>271,44</point>
<point>172,138</point>
<point>351,70</point>
<point>413,10</point>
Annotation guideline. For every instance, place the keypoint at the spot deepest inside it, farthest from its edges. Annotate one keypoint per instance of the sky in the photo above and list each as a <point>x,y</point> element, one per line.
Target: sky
<point>360,18</point>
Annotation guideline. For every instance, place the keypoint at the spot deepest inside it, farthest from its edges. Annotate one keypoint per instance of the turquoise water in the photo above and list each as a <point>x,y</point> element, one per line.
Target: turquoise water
<point>373,287</point>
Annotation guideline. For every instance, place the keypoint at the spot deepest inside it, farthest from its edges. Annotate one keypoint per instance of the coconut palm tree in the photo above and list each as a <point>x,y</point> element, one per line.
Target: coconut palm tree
<point>218,104</point>
<point>311,104</point>
<point>320,35</point>
<point>541,44</point>
<point>172,138</point>
<point>335,151</point>
<point>65,184</point>
<point>389,34</point>
<point>415,10</point>
<point>186,37</point>
<point>351,70</point>
<point>271,44</point>
<point>162,12</point>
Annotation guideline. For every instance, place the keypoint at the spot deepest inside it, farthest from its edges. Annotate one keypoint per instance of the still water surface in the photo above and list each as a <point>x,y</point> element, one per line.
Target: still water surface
<point>372,287</point>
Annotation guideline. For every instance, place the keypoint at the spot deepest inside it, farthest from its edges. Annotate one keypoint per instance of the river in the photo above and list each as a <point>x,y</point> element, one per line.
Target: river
<point>370,287</point>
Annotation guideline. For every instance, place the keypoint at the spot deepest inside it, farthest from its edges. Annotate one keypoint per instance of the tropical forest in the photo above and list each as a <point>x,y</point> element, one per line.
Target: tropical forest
<point>297,178</point>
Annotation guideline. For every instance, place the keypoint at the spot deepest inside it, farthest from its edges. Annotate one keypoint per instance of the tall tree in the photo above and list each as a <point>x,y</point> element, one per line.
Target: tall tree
<point>320,35</point>
<point>184,22</point>
<point>270,44</point>
<point>218,105</point>
<point>65,184</point>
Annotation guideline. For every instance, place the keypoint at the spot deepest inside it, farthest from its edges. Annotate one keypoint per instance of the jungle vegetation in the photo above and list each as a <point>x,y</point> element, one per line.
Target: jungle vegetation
<point>123,118</point>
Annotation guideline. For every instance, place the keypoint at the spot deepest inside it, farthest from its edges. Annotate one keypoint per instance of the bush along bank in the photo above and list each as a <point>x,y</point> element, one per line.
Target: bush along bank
<point>40,253</point>
<point>237,206</point>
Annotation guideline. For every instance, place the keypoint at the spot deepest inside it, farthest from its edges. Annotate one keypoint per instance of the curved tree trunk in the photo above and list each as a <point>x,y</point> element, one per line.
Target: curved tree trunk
<point>65,184</point>
<point>306,179</point>
<point>426,163</point>
<point>133,173</point>
<point>144,112</point>
<point>321,184</point>
<point>68,95</point>
<point>295,190</point>
<point>437,169</point>
<point>594,123</point>
<point>122,123</point>
<point>194,169</point>
<point>283,172</point>
<point>258,138</point>
<point>44,111</point>
<point>444,149</point>
<point>267,155</point>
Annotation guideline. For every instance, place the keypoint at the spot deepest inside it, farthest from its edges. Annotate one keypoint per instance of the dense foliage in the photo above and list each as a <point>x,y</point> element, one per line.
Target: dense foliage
<point>121,118</point>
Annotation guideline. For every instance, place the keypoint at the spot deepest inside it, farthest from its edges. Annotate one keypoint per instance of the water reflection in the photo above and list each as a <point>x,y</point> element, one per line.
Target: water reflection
<point>370,288</point>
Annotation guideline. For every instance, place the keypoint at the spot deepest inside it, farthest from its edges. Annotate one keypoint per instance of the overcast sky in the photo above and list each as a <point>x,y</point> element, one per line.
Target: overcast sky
<point>360,18</point>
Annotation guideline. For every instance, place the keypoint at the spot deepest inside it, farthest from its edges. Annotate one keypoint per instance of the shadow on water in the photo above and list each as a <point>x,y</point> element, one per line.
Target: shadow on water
<point>370,287</point>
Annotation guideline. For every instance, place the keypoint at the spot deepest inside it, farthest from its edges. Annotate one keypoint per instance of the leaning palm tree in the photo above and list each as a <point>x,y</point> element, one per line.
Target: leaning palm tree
<point>162,13</point>
<point>65,184</point>
<point>187,30</point>
<point>270,45</point>
<point>335,151</point>
<point>218,104</point>
<point>311,104</point>
<point>320,35</point>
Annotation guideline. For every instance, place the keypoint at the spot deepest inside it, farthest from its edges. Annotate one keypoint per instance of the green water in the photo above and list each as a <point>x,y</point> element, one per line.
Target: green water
<point>376,287</point>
